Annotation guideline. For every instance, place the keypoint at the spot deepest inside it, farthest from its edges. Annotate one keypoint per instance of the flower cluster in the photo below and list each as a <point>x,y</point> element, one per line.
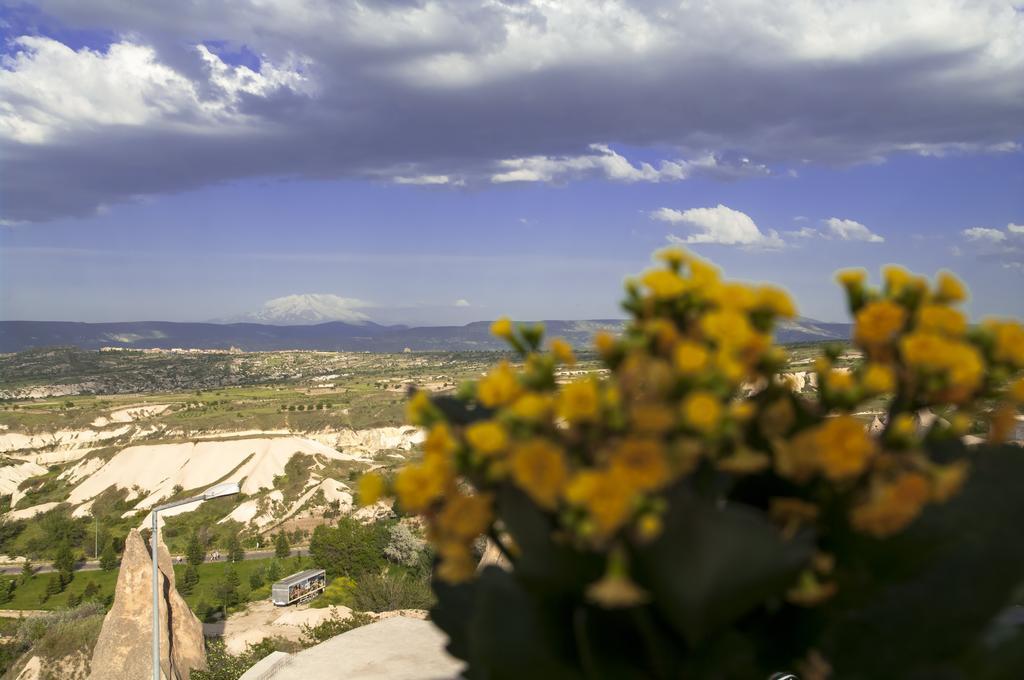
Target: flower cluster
<point>693,388</point>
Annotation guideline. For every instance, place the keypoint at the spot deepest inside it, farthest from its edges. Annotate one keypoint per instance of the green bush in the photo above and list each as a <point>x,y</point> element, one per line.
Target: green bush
<point>349,548</point>
<point>336,625</point>
<point>221,665</point>
<point>338,591</point>
<point>385,591</point>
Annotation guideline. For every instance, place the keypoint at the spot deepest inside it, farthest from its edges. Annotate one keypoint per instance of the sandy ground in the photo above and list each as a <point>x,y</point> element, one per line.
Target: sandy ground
<point>262,620</point>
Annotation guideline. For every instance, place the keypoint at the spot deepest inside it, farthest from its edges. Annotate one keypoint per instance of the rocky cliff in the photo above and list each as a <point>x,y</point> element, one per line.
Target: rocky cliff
<point>123,649</point>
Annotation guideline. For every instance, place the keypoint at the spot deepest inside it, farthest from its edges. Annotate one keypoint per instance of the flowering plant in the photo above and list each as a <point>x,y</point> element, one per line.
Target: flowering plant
<point>686,513</point>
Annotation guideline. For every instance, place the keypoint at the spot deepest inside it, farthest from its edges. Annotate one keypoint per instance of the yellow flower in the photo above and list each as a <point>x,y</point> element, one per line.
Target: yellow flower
<point>742,411</point>
<point>1001,425</point>
<point>499,387</point>
<point>487,437</point>
<point>962,363</point>
<point>796,458</point>
<point>851,278</point>
<point>1017,391</point>
<point>465,517</point>
<point>839,380</point>
<point>730,367</point>
<point>947,480</point>
<point>531,407</point>
<point>904,426</point>
<point>664,284</point>
<point>562,351</point>
<point>502,328</point>
<point>878,322</point>
<point>439,442</point>
<point>690,357</point>
<point>776,300</point>
<point>731,295</point>
<point>960,423</point>
<point>604,342</point>
<point>539,468</point>
<point>950,288</point>
<point>673,255</point>
<point>891,506</point>
<point>640,463</point>
<point>652,418</point>
<point>744,462</point>
<point>941,319</point>
<point>648,527</point>
<point>419,410</point>
<point>703,273</point>
<point>578,401</point>
<point>897,279</point>
<point>727,327</point>
<point>419,485</point>
<point>878,379</point>
<point>1008,341</point>
<point>844,447</point>
<point>702,411</point>
<point>457,564</point>
<point>606,499</point>
<point>371,488</point>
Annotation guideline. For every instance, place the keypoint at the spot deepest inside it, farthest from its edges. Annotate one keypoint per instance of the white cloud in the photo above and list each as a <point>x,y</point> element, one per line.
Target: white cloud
<point>427,180</point>
<point>49,90</point>
<point>609,164</point>
<point>721,225</point>
<point>850,230</point>
<point>502,91</point>
<point>1005,247</point>
<point>804,232</point>
<point>462,302</point>
<point>984,234</point>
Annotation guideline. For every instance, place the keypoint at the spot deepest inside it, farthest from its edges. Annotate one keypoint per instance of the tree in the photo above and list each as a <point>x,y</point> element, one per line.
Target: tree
<point>273,571</point>
<point>74,599</point>
<point>349,548</point>
<point>6,591</point>
<point>235,551</point>
<point>282,548</point>
<point>54,584</point>
<point>91,590</point>
<point>64,563</point>
<point>195,553</point>
<point>227,590</point>
<point>27,572</point>
<point>108,558</point>
<point>189,579</point>
<point>256,578</point>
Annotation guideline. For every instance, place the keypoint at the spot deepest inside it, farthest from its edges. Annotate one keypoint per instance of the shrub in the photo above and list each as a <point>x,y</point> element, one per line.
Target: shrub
<point>336,625</point>
<point>686,513</point>
<point>222,665</point>
<point>349,548</point>
<point>384,592</point>
<point>403,547</point>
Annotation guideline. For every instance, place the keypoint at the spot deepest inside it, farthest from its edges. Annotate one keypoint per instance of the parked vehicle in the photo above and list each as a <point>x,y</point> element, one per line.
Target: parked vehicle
<point>299,587</point>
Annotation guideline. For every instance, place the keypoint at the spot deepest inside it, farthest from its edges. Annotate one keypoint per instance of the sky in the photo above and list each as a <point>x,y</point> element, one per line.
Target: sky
<point>444,162</point>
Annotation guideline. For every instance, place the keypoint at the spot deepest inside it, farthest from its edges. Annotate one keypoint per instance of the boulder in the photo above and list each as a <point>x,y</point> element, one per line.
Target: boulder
<point>123,649</point>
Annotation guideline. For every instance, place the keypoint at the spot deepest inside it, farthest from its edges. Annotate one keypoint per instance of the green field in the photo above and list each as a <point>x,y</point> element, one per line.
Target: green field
<point>27,596</point>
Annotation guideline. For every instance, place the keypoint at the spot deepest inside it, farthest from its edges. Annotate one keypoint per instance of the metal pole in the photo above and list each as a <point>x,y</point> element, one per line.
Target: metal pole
<point>156,607</point>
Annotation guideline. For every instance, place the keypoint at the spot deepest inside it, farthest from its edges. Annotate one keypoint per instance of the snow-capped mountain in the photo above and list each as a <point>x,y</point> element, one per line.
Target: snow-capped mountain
<point>308,309</point>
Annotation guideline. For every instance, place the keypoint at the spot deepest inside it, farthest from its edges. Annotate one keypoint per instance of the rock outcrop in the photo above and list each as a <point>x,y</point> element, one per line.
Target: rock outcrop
<point>123,649</point>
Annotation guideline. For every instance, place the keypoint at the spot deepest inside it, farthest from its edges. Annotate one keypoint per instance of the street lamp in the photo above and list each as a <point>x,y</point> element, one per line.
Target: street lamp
<point>226,489</point>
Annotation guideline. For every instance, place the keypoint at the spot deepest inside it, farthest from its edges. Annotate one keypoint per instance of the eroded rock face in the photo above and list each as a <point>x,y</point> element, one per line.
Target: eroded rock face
<point>123,649</point>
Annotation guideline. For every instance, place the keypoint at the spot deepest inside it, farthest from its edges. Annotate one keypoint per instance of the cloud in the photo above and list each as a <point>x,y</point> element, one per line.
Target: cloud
<point>984,234</point>
<point>522,91</point>
<point>461,302</point>
<point>721,225</point>
<point>1005,247</point>
<point>609,164</point>
<point>850,230</point>
<point>427,180</point>
<point>803,232</point>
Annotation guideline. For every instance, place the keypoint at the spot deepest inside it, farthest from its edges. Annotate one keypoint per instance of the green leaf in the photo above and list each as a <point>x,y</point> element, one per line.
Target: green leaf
<point>712,565</point>
<point>516,634</point>
<point>542,562</point>
<point>917,602</point>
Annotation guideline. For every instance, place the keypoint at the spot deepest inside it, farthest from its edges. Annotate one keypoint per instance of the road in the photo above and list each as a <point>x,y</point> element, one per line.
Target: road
<point>94,565</point>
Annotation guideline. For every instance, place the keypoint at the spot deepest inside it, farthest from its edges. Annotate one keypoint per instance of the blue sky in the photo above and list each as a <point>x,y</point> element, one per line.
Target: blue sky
<point>457,165</point>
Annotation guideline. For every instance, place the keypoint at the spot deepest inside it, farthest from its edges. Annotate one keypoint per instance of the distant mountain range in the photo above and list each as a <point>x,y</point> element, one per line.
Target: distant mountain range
<point>16,336</point>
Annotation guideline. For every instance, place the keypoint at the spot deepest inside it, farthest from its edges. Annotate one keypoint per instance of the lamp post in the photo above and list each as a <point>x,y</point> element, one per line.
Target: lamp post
<point>217,491</point>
